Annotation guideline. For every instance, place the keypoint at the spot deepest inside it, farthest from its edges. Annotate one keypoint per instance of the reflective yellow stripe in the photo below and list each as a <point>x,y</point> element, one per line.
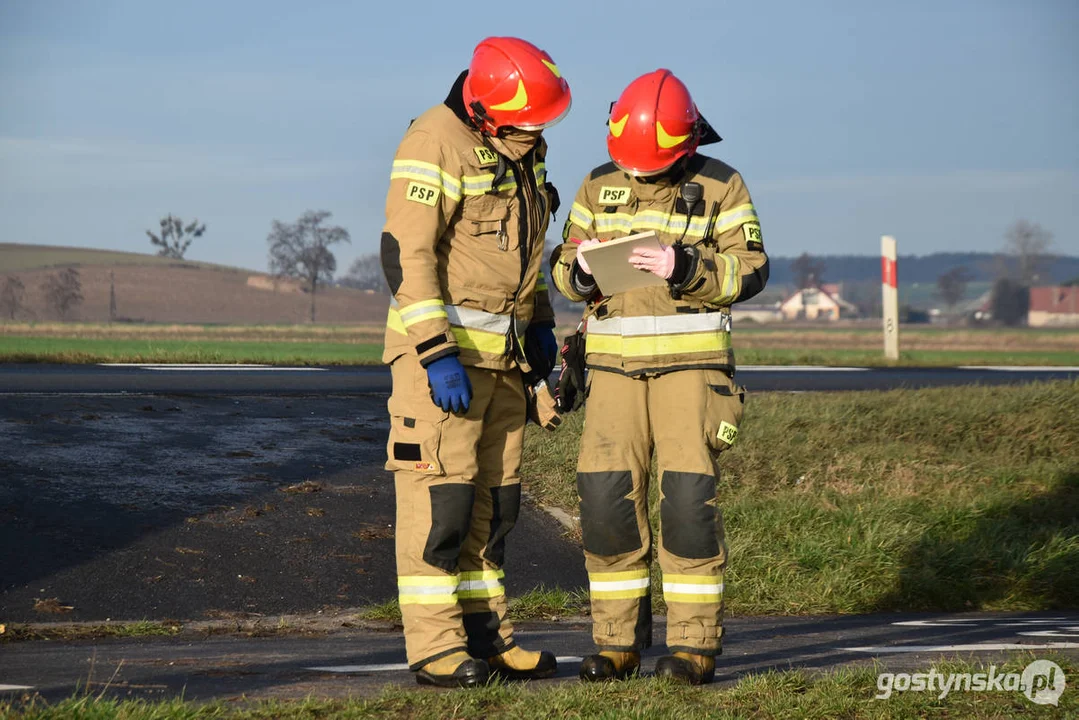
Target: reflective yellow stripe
<point>427,589</point>
<point>616,576</point>
<point>580,216</point>
<point>481,184</point>
<point>693,588</point>
<point>728,290</point>
<point>427,581</point>
<point>481,584</point>
<point>735,217</point>
<point>645,345</point>
<point>484,342</point>
<point>618,585</point>
<point>420,311</point>
<point>448,599</point>
<point>393,322</point>
<point>427,173</point>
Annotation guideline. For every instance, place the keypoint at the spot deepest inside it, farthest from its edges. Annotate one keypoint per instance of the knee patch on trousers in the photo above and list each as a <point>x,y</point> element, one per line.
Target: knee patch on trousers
<point>451,516</point>
<point>505,506</point>
<point>687,515</point>
<point>608,517</point>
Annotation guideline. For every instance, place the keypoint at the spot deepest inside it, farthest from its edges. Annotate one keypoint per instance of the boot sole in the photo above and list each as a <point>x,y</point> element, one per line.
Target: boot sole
<point>448,681</point>
<point>524,674</point>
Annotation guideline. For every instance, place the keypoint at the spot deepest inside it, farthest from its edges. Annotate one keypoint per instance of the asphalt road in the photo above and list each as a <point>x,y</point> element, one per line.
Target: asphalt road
<point>358,662</point>
<point>263,380</point>
<point>194,508</point>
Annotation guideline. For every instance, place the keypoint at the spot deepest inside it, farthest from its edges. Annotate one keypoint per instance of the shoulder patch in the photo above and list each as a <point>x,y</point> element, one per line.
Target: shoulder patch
<point>418,192</point>
<point>754,239</point>
<point>604,169</point>
<point>485,156</point>
<point>613,195</point>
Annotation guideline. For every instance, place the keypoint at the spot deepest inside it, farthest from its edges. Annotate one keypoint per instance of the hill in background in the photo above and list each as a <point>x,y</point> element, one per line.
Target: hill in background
<point>150,288</point>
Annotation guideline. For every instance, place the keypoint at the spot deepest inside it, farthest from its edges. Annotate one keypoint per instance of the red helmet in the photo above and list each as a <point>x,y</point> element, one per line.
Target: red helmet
<point>653,124</point>
<point>513,83</point>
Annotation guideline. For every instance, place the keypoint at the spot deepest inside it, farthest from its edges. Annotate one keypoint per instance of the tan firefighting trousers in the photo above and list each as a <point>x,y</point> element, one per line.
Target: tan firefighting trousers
<point>458,486</point>
<point>689,416</point>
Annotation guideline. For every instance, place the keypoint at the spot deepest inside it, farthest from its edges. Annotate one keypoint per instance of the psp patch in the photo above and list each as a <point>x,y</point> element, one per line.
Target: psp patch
<point>727,433</point>
<point>418,192</point>
<point>485,156</point>
<point>613,195</point>
<point>754,239</point>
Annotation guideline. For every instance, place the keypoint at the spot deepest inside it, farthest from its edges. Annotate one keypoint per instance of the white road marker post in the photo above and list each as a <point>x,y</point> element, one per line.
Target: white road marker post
<point>890,289</point>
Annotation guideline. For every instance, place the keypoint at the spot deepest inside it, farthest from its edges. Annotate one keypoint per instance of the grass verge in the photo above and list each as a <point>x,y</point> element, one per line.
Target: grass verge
<point>361,344</point>
<point>20,349</point>
<point>846,693</point>
<point>939,499</point>
<point>143,628</point>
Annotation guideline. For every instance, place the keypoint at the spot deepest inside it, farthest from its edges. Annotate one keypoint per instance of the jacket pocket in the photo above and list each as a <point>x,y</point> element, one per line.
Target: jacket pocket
<point>414,445</point>
<point>724,408</point>
<point>487,218</point>
<point>416,423</point>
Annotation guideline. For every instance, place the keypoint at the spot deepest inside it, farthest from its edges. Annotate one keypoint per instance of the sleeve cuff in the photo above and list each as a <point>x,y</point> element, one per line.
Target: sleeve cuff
<point>582,282</point>
<point>686,261</point>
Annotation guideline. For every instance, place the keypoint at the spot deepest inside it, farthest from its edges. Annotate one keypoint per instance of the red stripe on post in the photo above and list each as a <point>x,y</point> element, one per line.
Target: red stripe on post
<point>887,272</point>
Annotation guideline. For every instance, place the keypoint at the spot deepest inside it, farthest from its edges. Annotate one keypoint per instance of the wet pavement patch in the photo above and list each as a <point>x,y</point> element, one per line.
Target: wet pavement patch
<point>131,508</point>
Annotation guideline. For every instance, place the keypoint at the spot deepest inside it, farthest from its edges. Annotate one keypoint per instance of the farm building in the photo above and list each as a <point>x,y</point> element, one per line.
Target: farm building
<point>1054,306</point>
<point>817,303</point>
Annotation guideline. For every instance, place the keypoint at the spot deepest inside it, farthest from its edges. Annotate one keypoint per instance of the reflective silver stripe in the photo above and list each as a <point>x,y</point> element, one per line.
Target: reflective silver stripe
<point>477,319</point>
<point>659,325</point>
<point>580,215</point>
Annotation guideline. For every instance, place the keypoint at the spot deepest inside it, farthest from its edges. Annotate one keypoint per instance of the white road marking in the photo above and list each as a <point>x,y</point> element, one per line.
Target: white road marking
<point>801,368</point>
<point>229,367</point>
<point>392,667</point>
<point>976,647</point>
<point>957,622</point>
<point>9,688</point>
<point>232,368</point>
<point>1022,368</point>
<point>1054,633</point>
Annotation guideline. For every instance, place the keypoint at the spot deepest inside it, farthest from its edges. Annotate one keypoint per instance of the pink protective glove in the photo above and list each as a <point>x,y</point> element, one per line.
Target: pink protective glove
<point>657,262</point>
<point>581,262</point>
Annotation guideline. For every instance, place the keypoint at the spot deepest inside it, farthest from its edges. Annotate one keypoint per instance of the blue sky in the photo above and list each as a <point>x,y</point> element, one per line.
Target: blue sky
<point>939,122</point>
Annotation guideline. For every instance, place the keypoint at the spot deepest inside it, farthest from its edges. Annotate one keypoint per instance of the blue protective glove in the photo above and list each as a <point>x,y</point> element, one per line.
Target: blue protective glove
<point>541,337</point>
<point>450,387</point>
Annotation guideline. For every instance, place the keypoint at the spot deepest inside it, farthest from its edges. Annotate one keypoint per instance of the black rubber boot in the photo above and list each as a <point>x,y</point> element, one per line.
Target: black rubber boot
<point>687,668</point>
<point>518,664</point>
<point>468,673</point>
<point>609,665</point>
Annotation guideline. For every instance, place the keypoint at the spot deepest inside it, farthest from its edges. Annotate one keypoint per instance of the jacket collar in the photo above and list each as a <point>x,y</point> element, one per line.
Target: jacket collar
<point>455,101</point>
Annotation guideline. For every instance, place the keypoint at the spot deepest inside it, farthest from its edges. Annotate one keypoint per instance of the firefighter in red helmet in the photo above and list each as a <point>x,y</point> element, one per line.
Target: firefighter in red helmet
<point>661,376</point>
<point>469,323</point>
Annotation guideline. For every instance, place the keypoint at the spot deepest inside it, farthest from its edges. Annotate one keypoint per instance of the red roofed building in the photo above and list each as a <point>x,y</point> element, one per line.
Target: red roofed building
<point>1055,305</point>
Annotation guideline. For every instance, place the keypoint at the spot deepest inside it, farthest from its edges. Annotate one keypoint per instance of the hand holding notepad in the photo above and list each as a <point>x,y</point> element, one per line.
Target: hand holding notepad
<point>610,262</point>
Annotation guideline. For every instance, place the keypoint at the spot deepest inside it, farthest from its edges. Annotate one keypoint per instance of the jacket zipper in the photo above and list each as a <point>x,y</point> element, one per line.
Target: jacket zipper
<point>524,183</point>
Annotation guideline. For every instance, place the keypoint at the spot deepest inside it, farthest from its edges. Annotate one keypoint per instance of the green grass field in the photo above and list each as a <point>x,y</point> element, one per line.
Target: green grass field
<point>847,693</point>
<point>361,344</point>
<point>938,499</point>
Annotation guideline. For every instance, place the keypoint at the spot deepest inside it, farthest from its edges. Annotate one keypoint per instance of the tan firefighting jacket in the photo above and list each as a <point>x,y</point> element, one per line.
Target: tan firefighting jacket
<point>463,243</point>
<point>658,329</point>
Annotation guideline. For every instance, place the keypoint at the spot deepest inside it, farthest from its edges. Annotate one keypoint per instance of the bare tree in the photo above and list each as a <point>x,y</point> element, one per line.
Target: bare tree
<point>1028,242</point>
<point>365,273</point>
<point>175,237</point>
<point>808,271</point>
<point>63,291</point>
<point>952,285</point>
<point>1009,301</point>
<point>12,295</point>
<point>302,250</point>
